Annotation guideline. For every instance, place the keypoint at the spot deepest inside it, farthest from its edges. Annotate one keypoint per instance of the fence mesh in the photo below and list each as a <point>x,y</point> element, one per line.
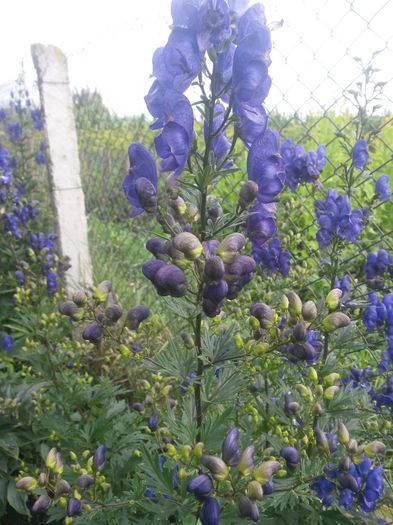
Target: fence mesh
<point>331,75</point>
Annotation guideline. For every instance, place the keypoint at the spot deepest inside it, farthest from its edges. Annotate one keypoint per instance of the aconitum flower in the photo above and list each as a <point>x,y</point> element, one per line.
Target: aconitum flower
<point>201,486</point>
<point>170,280</point>
<point>42,504</point>
<point>140,185</point>
<point>382,188</point>
<point>302,167</point>
<point>93,333</point>
<point>272,257</point>
<point>265,166</point>
<point>220,144</point>
<point>99,457</point>
<point>14,130</point>
<point>336,218</point>
<point>20,278</point>
<point>36,117</point>
<point>291,456</point>
<point>378,263</point>
<point>343,284</point>
<point>324,490</point>
<point>214,24</point>
<point>51,282</point>
<point>210,512</point>
<point>136,315</point>
<point>7,343</point>
<point>230,447</point>
<point>360,154</point>
<point>173,147</point>
<point>74,507</point>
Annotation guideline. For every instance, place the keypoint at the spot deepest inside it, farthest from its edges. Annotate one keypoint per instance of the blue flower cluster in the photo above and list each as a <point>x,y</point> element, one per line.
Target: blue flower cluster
<point>378,264</point>
<point>337,219</point>
<point>302,167</point>
<point>272,257</point>
<point>382,188</point>
<point>351,480</point>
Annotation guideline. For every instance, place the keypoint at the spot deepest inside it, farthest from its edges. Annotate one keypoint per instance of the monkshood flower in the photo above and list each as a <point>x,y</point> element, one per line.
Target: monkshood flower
<point>40,156</point>
<point>251,20</point>
<point>336,218</point>
<point>220,144</point>
<point>230,448</point>
<point>14,130</point>
<point>378,263</point>
<point>343,284</point>
<point>214,24</point>
<point>93,333</point>
<point>136,315</point>
<point>20,278</point>
<point>265,166</point>
<point>272,257</point>
<point>324,490</point>
<point>178,63</point>
<point>302,167</point>
<point>359,378</point>
<point>291,456</point>
<point>360,154</point>
<point>248,508</point>
<point>201,486</point>
<point>382,188</point>
<point>39,241</point>
<point>51,282</point>
<point>42,504</point>
<point>210,512</point>
<point>385,398</point>
<point>260,226</point>
<point>387,356</point>
<point>7,343</point>
<point>140,185</point>
<point>74,507</point>
<point>99,457</point>
<point>36,117</point>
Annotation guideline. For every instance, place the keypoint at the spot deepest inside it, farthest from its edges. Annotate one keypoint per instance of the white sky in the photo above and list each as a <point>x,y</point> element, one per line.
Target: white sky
<point>109,45</point>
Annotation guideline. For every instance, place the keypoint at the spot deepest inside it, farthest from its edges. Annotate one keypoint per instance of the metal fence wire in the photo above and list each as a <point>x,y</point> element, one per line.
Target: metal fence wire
<point>331,74</point>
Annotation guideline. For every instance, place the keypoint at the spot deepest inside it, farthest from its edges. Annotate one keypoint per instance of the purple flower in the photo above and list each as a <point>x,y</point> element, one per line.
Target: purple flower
<point>382,188</point>
<point>273,258</point>
<point>136,315</point>
<point>260,226</point>
<point>42,503</point>
<point>170,280</point>
<point>36,117</point>
<point>265,166</point>
<point>51,282</point>
<point>152,422</point>
<point>346,499</point>
<point>291,456</point>
<point>201,486</point>
<point>173,147</point>
<point>324,489</point>
<point>7,343</point>
<point>210,512</point>
<point>248,508</point>
<point>251,21</point>
<point>20,278</point>
<point>213,26</point>
<point>220,143</point>
<point>360,154</point>
<point>93,333</point>
<point>14,130</point>
<point>302,167</point>
<point>140,185</point>
<point>177,64</point>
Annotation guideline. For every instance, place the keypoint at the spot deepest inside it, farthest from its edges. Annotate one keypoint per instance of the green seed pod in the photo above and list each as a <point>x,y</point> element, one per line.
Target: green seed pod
<point>254,490</point>
<point>188,244</point>
<point>333,299</point>
<point>335,321</point>
<point>309,311</point>
<point>343,434</point>
<point>294,304</point>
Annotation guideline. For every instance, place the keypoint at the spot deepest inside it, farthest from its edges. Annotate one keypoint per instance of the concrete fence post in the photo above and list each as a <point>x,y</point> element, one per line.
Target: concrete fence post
<point>64,167</point>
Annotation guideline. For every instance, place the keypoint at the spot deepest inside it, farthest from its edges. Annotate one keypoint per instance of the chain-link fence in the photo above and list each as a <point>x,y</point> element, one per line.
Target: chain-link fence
<point>331,80</point>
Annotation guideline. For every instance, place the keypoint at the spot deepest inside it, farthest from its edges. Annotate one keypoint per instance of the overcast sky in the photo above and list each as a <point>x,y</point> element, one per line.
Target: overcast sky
<point>109,45</point>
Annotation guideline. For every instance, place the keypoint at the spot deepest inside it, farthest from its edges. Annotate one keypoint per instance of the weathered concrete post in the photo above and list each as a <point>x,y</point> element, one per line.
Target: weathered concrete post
<point>64,167</point>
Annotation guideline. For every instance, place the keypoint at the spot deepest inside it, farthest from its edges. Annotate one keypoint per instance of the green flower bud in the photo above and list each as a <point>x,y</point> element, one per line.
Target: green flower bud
<point>321,439</point>
<point>248,193</point>
<point>27,483</point>
<point>284,303</point>
<point>188,244</point>
<point>254,490</point>
<point>331,391</point>
<point>335,321</point>
<point>312,375</point>
<point>304,391</point>
<point>185,452</point>
<point>230,245</point>
<point>218,468</point>
<point>178,205</point>
<point>198,450</point>
<point>294,304</point>
<point>238,341</point>
<point>332,378</point>
<point>246,463</point>
<point>309,311</point>
<point>317,410</point>
<point>264,472</point>
<point>319,390</point>
<point>353,446</point>
<point>333,299</point>
<point>343,434</point>
<point>50,461</point>
<point>374,448</point>
<point>68,308</point>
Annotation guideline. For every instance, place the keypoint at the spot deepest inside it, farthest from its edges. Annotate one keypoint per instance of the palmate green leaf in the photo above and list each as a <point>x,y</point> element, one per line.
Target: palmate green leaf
<point>182,307</point>
<point>224,388</point>
<point>216,426</point>
<point>185,429</point>
<point>177,361</point>
<point>220,348</point>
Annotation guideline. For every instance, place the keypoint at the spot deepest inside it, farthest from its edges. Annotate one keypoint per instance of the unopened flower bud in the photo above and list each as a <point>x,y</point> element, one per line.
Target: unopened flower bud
<point>230,449</point>
<point>312,375</point>
<point>248,508</point>
<point>352,446</point>
<point>263,313</point>
<point>198,450</point>
<point>322,440</point>
<point>230,245</point>
<point>246,463</point>
<point>201,486</point>
<point>150,268</point>
<point>374,448</point>
<point>178,205</point>
<point>79,297</point>
<point>264,472</point>
<point>284,303</point>
<point>214,269</point>
<point>188,244</point>
<point>294,304</point>
<point>333,299</point>
<point>41,504</point>
<point>113,312</point>
<point>291,456</point>
<point>309,311</point>
<point>248,193</point>
<point>74,507</point>
<point>345,464</point>
<point>85,481</point>
<point>93,333</point>
<point>136,315</point>
<point>27,483</point>
<point>331,391</point>
<point>343,434</point>
<point>68,308</point>
<point>317,410</point>
<point>335,321</point>
<point>138,407</point>
<point>170,280</point>
<point>299,333</point>
<point>219,470</point>
<point>254,490</point>
<point>332,378</point>
<point>99,457</point>
<point>304,391</point>
<point>156,247</point>
<point>187,339</point>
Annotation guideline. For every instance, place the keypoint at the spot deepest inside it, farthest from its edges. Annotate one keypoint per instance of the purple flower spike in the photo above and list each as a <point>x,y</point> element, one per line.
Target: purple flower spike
<point>360,154</point>
<point>140,185</point>
<point>230,448</point>
<point>210,512</point>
